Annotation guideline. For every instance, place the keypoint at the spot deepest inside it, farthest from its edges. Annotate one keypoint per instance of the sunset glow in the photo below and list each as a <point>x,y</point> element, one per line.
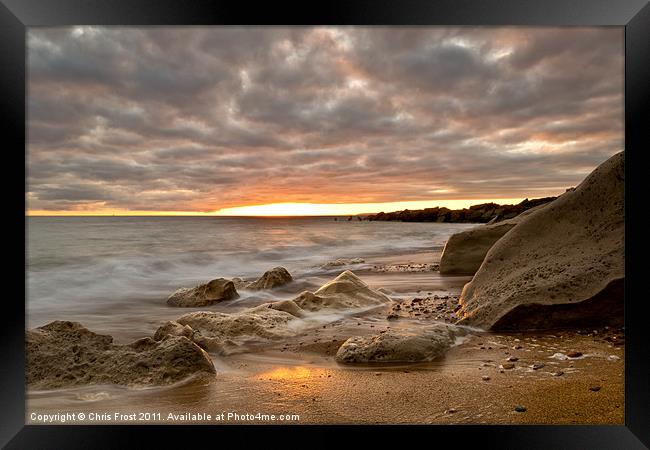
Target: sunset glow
<point>291,209</point>
<point>333,209</point>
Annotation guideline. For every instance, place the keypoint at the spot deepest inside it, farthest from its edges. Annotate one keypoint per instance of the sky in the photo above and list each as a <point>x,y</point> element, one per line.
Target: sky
<point>315,120</point>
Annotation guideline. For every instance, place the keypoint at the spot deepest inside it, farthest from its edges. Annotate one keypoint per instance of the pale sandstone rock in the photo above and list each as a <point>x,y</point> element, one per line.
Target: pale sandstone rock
<point>64,353</point>
<point>278,276</point>
<point>465,251</point>
<point>205,294</point>
<point>222,332</point>
<point>399,345</point>
<point>560,265</point>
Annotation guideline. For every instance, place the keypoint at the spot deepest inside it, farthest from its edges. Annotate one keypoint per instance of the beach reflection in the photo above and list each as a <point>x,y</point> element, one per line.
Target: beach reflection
<point>288,373</point>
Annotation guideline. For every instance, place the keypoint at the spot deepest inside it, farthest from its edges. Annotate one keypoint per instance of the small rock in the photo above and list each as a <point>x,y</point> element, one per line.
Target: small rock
<point>278,276</point>
<point>517,347</point>
<point>594,388</point>
<point>559,373</point>
<point>507,366</point>
<point>537,366</point>
<point>520,408</point>
<point>450,411</point>
<point>485,378</point>
<point>513,359</point>
<point>574,354</point>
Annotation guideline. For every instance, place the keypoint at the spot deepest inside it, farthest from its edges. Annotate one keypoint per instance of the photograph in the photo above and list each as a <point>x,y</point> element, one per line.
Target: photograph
<point>331,225</point>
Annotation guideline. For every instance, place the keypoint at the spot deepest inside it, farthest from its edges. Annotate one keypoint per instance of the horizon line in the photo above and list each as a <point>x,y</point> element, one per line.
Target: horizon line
<point>287,209</point>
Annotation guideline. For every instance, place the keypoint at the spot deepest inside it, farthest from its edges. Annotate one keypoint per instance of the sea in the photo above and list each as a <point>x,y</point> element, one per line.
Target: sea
<point>113,274</point>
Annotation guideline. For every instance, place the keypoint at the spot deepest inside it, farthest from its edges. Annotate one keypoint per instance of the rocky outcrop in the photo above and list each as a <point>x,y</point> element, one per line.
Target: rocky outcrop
<point>561,265</point>
<point>278,276</point>
<point>483,213</point>
<point>345,292</point>
<point>399,346</point>
<point>222,332</point>
<point>205,294</point>
<point>465,251</point>
<point>63,353</point>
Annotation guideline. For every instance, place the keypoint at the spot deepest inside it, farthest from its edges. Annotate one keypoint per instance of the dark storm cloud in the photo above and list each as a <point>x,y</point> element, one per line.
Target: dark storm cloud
<point>198,119</point>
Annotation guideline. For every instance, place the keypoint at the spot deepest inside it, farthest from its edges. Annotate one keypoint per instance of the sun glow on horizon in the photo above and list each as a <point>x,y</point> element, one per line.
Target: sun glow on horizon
<point>349,209</point>
<point>288,209</point>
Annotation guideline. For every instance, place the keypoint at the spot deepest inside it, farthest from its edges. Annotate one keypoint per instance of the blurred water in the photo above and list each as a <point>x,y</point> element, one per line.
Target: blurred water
<point>115,273</point>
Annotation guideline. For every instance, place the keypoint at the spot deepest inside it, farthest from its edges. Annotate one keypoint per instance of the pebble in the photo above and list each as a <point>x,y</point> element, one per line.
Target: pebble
<point>537,366</point>
<point>507,366</point>
<point>520,408</point>
<point>513,359</point>
<point>613,358</point>
<point>450,411</point>
<point>517,347</point>
<point>594,388</point>
<point>559,373</point>
<point>485,378</point>
<point>574,354</point>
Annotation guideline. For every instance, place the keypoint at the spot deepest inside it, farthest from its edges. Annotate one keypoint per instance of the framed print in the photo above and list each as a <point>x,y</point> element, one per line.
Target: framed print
<point>295,218</point>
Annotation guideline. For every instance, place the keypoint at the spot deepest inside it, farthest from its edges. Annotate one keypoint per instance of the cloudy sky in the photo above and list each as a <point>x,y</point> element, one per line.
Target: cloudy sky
<point>200,119</point>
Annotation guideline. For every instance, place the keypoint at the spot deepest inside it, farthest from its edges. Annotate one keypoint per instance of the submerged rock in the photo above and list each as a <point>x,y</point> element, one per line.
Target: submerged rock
<point>240,283</point>
<point>64,353</point>
<point>222,332</point>
<point>342,262</point>
<point>561,265</point>
<point>174,329</point>
<point>347,291</point>
<point>398,346</point>
<point>205,294</point>
<point>278,276</point>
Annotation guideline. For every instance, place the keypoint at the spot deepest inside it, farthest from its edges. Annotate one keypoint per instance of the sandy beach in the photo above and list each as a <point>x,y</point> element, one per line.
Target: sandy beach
<point>299,375</point>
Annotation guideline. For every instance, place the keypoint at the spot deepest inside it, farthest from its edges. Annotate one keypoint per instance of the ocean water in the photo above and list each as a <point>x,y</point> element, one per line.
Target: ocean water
<point>113,274</point>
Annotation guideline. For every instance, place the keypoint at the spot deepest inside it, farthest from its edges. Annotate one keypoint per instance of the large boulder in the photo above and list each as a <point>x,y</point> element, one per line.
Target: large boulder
<point>64,353</point>
<point>399,345</point>
<point>465,251</point>
<point>278,276</point>
<point>205,294</point>
<point>561,265</point>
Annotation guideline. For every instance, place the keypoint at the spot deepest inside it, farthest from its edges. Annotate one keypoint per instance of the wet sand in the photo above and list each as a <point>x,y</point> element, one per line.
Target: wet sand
<point>300,377</point>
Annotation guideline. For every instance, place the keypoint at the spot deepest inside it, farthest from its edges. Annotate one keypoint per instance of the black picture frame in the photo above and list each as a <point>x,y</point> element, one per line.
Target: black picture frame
<point>634,15</point>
